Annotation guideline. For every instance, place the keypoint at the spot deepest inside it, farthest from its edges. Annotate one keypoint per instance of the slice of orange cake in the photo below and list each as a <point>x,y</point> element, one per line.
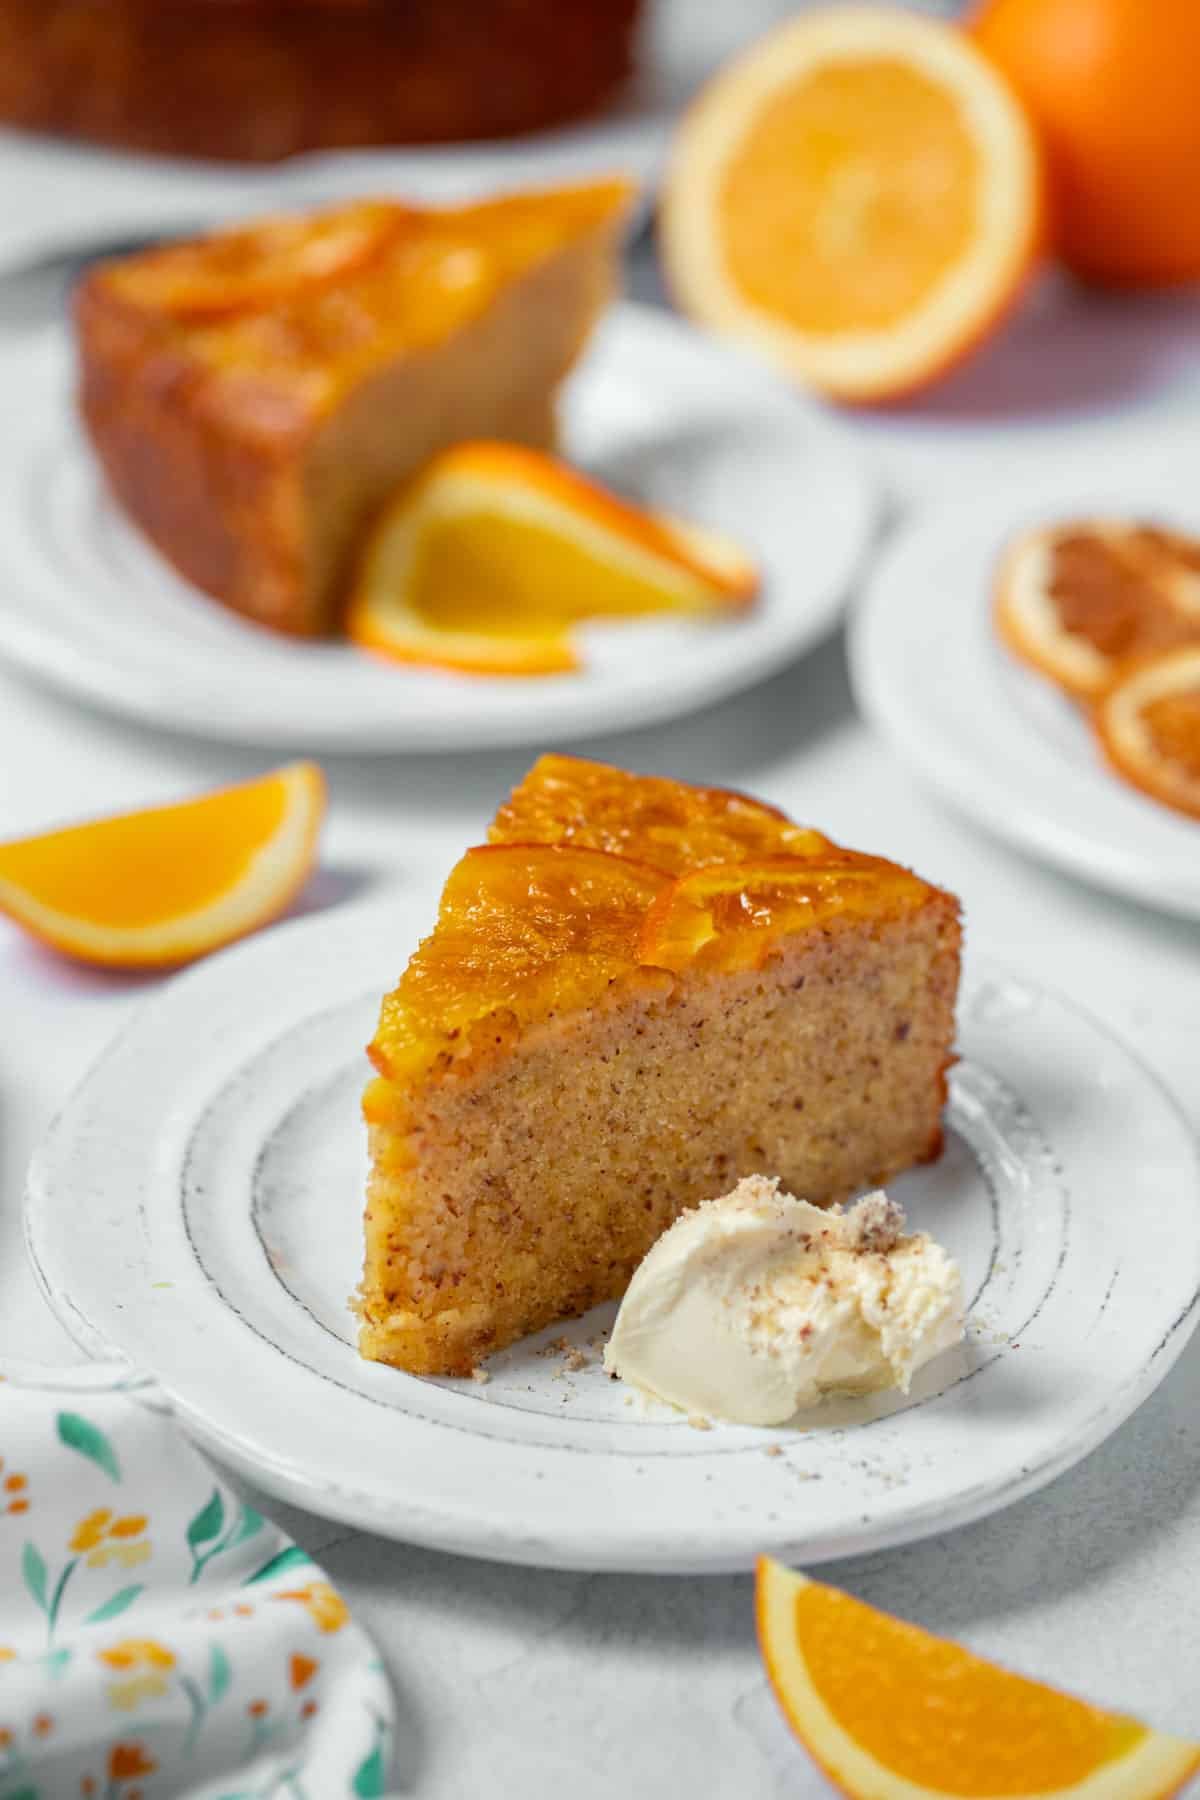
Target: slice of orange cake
<point>636,993</point>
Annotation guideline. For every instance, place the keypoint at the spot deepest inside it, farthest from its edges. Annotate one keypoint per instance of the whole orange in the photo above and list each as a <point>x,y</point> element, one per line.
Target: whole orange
<point>1114,86</point>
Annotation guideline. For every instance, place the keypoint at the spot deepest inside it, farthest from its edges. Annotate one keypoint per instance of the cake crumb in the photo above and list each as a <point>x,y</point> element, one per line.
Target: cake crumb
<point>698,1422</point>
<point>773,1450</point>
<point>481,1376</point>
<point>575,1359</point>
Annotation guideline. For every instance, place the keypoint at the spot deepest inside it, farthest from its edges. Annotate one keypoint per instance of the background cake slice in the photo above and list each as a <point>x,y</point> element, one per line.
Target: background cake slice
<point>636,994</point>
<point>254,397</point>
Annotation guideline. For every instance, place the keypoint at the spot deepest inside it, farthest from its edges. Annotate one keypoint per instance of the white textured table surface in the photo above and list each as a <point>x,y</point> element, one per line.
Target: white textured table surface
<point>512,1682</point>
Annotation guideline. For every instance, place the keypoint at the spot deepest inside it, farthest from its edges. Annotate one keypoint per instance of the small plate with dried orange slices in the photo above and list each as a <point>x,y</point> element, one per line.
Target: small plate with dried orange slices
<point>1035,655</point>
<point>729,520</point>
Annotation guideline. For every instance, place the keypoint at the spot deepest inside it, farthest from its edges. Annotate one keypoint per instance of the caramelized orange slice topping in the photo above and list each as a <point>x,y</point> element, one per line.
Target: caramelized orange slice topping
<point>891,1712</point>
<point>1078,601</point>
<point>1149,727</point>
<point>729,916</point>
<point>566,799</point>
<point>488,559</point>
<point>520,927</point>
<point>268,262</point>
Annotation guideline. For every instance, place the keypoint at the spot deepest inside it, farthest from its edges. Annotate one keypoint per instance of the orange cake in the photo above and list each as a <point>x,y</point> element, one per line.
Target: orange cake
<point>267,78</point>
<point>255,396</point>
<point>635,994</point>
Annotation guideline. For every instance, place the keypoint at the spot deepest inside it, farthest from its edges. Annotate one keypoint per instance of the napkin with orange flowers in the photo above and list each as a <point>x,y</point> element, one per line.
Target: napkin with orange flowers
<point>158,1636</point>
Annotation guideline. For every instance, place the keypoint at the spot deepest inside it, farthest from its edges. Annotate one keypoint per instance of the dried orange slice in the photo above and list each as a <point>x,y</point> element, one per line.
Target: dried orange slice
<point>157,888</point>
<point>893,1713</point>
<point>1079,599</point>
<point>486,562</point>
<point>263,265</point>
<point>729,914</point>
<point>1149,727</point>
<point>858,196</point>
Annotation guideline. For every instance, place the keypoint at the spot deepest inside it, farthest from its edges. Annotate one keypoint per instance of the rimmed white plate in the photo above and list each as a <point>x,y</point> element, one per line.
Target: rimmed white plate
<point>196,1210</point>
<point>996,739</point>
<point>655,409</point>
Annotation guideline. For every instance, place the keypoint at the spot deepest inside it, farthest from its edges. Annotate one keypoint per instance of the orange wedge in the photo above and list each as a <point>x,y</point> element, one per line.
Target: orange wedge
<point>892,1713</point>
<point>730,914</point>
<point>1080,599</point>
<point>486,562</point>
<point>1149,727</point>
<point>859,197</point>
<point>153,889</point>
<point>266,264</point>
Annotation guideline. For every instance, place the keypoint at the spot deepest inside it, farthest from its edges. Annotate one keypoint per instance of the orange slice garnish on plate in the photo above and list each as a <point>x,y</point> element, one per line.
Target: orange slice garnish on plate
<point>266,264</point>
<point>893,1713</point>
<point>1079,600</point>
<point>157,888</point>
<point>487,561</point>
<point>1149,727</point>
<point>858,196</point>
<point>730,914</point>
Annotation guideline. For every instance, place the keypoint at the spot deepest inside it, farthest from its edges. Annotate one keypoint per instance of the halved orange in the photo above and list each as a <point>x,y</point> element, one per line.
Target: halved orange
<point>1149,727</point>
<point>1080,599</point>
<point>892,1713</point>
<point>263,264</point>
<point>859,197</point>
<point>157,888</point>
<point>488,559</point>
<point>729,913</point>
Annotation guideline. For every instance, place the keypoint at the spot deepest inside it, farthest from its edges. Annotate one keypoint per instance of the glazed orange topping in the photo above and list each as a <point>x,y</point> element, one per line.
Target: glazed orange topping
<point>521,928</point>
<point>307,301</point>
<point>726,917</point>
<point>668,824</point>
<point>526,927</point>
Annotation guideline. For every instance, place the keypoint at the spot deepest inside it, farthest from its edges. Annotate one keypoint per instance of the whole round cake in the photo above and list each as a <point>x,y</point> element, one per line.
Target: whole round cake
<point>261,79</point>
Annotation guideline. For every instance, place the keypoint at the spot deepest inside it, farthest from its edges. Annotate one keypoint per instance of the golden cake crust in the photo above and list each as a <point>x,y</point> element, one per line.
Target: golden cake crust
<point>592,1039</point>
<point>260,79</point>
<point>253,397</point>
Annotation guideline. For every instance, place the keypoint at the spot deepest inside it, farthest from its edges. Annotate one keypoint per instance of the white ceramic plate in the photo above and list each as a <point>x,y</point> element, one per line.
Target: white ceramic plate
<point>655,409</point>
<point>196,1211</point>
<point>998,740</point>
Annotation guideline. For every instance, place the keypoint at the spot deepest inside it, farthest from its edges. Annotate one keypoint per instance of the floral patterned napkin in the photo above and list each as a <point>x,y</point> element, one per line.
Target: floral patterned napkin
<point>158,1637</point>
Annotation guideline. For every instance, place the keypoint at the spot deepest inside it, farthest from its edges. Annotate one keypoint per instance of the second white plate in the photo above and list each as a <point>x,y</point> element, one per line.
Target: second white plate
<point>197,1211</point>
<point>1003,744</point>
<point>655,409</point>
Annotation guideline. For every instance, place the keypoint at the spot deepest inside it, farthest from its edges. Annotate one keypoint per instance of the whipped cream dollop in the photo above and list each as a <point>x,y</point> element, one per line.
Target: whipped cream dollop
<point>755,1305</point>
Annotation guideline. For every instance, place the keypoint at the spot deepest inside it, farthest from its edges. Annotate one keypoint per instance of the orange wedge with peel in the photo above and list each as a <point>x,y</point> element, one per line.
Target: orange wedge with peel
<point>266,264</point>
<point>1148,725</point>
<point>488,559</point>
<point>893,1713</point>
<point>731,913</point>
<point>157,888</point>
<point>1081,599</point>
<point>859,197</point>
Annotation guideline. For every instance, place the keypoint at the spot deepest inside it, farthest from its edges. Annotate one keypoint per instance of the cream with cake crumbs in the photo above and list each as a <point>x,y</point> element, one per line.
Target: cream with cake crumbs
<point>756,1305</point>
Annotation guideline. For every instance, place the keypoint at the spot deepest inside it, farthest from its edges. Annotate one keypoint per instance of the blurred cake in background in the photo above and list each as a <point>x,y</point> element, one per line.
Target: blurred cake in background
<point>254,396</point>
<point>261,79</point>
